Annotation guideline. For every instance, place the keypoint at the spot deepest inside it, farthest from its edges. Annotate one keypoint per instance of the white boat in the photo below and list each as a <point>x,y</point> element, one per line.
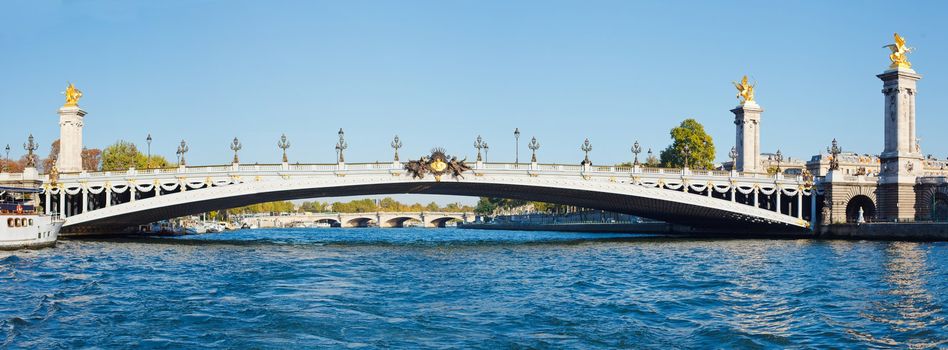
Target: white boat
<point>21,224</point>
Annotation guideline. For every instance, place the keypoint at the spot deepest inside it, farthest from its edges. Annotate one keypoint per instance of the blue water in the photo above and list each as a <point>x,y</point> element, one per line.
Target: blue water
<point>447,288</point>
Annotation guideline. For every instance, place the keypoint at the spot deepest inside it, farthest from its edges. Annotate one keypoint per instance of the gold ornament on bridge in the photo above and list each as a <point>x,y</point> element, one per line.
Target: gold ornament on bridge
<point>72,96</point>
<point>745,91</point>
<point>899,56</point>
<point>437,164</point>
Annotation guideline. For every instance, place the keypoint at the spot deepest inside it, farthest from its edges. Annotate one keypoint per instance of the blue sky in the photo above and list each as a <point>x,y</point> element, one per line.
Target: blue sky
<point>438,73</point>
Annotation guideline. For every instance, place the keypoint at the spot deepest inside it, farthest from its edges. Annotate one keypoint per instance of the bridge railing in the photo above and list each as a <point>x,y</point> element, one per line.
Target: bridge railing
<point>331,167</point>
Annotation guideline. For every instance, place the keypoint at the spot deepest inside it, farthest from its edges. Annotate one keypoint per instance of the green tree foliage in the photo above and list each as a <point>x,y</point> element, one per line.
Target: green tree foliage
<point>485,206</point>
<point>690,133</point>
<point>157,162</point>
<point>314,207</point>
<point>355,206</point>
<point>122,155</point>
<point>488,205</point>
<point>269,207</point>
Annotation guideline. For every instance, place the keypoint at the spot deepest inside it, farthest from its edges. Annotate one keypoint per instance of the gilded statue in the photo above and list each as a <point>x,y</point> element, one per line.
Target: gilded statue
<point>745,91</point>
<point>899,56</point>
<point>72,96</point>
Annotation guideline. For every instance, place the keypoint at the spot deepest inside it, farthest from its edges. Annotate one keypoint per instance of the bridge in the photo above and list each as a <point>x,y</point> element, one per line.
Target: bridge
<point>381,219</point>
<point>106,201</point>
<point>899,185</point>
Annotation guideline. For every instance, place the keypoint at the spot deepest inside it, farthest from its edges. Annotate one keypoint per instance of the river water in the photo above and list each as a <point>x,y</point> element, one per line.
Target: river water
<point>450,288</point>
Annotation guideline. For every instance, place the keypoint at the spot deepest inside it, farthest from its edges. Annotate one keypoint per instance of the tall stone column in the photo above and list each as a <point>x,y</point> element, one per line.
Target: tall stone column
<point>747,121</point>
<point>70,139</point>
<point>902,158</point>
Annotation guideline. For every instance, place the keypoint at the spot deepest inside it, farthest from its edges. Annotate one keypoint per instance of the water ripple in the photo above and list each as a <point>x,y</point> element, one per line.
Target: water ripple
<point>424,288</point>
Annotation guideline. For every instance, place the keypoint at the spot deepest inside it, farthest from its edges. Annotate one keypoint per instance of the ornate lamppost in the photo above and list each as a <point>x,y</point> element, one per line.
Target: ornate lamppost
<point>284,144</point>
<point>649,159</point>
<point>236,146</point>
<point>779,158</point>
<point>687,154</point>
<point>182,149</point>
<point>30,146</point>
<point>396,144</point>
<point>586,147</point>
<point>517,141</point>
<point>7,157</point>
<point>534,146</point>
<point>486,148</point>
<point>733,156</point>
<point>479,145</point>
<point>636,149</point>
<point>341,146</point>
<point>148,161</point>
<point>834,151</point>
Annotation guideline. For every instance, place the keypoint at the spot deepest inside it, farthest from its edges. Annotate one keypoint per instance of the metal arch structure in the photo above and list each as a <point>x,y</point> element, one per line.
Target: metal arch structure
<point>104,201</point>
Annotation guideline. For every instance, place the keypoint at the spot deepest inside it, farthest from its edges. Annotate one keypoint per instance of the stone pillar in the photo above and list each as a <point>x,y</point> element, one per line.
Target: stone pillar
<point>49,205</point>
<point>70,139</point>
<point>800,203</point>
<point>778,196</point>
<point>85,199</point>
<point>747,120</point>
<point>902,157</point>
<point>108,195</point>
<point>62,203</point>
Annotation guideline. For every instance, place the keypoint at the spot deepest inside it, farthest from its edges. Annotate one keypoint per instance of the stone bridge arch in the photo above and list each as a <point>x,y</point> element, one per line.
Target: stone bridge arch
<point>443,221</point>
<point>932,202</point>
<point>400,221</point>
<point>360,221</point>
<point>845,200</point>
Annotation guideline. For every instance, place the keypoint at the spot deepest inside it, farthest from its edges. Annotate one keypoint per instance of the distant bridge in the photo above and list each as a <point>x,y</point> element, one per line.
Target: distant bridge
<point>382,219</point>
<point>103,201</point>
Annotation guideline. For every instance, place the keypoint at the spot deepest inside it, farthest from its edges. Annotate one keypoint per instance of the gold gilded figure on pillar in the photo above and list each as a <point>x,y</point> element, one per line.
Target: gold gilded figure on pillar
<point>72,96</point>
<point>745,91</point>
<point>899,56</point>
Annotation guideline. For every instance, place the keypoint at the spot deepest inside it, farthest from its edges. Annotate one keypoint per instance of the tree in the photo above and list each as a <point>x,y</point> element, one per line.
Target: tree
<point>485,206</point>
<point>157,162</point>
<point>700,145</point>
<point>13,166</point>
<point>50,160</point>
<point>91,157</point>
<point>432,207</point>
<point>122,155</point>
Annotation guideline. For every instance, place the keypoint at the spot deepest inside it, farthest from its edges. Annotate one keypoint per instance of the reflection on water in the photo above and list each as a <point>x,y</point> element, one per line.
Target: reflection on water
<point>908,307</point>
<point>449,288</point>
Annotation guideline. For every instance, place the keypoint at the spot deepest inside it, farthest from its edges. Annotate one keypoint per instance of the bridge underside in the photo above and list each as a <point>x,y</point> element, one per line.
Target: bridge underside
<point>690,214</point>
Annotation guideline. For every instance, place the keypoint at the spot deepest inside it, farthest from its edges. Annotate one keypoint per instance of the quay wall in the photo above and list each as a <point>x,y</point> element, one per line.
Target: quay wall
<point>892,231</point>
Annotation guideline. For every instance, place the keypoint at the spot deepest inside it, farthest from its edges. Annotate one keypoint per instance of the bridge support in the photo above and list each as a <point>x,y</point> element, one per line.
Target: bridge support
<point>902,158</point>
<point>70,139</point>
<point>747,121</point>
